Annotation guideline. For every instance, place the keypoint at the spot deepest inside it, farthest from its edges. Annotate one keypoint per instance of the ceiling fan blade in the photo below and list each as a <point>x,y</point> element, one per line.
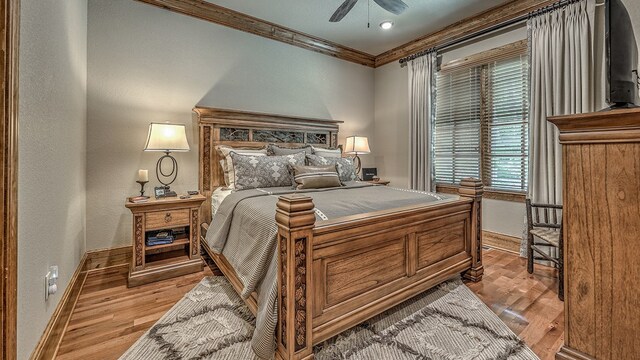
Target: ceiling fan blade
<point>393,6</point>
<point>343,10</point>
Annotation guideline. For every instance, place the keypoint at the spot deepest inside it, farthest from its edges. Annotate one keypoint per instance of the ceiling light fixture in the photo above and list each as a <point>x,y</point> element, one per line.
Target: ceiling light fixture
<point>386,25</point>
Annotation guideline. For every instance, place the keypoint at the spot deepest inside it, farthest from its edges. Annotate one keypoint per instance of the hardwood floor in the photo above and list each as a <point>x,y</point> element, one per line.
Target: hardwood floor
<point>109,317</point>
<point>527,303</point>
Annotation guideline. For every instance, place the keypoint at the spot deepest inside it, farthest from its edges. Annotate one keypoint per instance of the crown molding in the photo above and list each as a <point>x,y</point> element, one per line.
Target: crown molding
<point>207,11</point>
<point>463,28</point>
<point>220,15</point>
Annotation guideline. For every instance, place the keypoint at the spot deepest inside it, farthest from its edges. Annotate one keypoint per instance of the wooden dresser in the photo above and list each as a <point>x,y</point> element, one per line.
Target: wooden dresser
<point>601,165</point>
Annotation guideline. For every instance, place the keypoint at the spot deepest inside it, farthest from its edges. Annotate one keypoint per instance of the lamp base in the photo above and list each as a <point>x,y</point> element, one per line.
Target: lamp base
<point>171,176</point>
<point>358,164</point>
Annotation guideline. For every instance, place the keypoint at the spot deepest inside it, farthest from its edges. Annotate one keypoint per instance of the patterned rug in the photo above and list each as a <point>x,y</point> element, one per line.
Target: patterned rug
<point>447,322</point>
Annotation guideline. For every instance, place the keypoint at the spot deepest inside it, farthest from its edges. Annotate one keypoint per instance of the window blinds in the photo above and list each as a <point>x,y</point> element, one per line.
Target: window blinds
<point>506,128</point>
<point>457,125</point>
<point>481,124</point>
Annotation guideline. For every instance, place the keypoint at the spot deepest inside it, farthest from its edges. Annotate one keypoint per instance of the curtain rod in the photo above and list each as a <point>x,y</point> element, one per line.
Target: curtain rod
<point>502,25</point>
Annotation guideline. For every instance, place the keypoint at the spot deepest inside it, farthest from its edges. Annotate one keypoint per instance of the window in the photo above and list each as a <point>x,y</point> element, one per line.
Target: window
<point>481,122</point>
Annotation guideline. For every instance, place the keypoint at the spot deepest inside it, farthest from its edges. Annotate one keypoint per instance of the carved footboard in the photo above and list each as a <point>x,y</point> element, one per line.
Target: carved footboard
<point>338,273</point>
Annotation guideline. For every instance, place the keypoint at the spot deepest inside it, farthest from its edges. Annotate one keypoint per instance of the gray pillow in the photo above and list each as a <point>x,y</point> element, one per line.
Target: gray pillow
<point>227,162</point>
<point>333,153</point>
<point>346,167</point>
<point>252,171</point>
<point>275,150</point>
<point>315,177</point>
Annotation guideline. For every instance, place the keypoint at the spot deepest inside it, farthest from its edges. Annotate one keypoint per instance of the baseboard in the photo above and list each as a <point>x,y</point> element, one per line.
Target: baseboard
<point>94,260</point>
<point>48,345</point>
<point>501,241</point>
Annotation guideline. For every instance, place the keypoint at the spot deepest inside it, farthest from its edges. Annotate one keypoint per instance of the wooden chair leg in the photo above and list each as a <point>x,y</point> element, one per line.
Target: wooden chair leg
<point>530,254</point>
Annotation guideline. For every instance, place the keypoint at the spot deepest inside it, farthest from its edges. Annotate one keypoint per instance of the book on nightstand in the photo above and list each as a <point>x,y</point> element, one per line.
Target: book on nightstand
<point>153,242</point>
<point>160,238</point>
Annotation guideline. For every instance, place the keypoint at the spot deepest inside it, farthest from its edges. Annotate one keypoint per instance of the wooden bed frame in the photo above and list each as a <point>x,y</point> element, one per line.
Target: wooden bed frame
<point>338,273</point>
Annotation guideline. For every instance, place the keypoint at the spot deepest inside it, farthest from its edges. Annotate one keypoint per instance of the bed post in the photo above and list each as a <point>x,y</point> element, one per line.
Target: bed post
<point>295,217</point>
<point>473,189</point>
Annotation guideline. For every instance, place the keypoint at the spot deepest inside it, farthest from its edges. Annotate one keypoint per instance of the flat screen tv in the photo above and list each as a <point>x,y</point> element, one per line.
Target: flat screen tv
<point>622,56</point>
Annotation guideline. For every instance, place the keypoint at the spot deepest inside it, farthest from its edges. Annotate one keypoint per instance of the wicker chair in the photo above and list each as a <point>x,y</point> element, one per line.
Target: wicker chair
<point>544,231</point>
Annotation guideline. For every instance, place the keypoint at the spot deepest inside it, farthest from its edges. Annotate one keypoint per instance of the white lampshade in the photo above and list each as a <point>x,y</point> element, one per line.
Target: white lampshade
<point>167,137</point>
<point>357,145</point>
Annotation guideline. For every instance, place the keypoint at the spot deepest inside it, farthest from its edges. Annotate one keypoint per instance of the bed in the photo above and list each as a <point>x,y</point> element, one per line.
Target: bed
<point>331,267</point>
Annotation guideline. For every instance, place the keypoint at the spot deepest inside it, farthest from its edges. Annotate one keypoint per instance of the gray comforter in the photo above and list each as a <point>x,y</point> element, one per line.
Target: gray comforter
<point>244,231</point>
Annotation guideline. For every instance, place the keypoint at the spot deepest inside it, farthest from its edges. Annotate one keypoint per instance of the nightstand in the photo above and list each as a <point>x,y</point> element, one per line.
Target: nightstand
<point>379,182</point>
<point>159,262</point>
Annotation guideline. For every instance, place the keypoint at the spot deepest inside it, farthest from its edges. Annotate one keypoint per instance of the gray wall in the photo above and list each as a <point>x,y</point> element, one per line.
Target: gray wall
<point>51,191</point>
<point>147,64</point>
<point>633,6</point>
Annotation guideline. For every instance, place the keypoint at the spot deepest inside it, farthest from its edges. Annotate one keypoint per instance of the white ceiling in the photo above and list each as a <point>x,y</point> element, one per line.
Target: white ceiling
<point>312,17</point>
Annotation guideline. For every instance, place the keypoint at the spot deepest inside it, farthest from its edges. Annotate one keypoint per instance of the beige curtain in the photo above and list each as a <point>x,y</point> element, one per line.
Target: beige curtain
<point>563,75</point>
<point>421,75</point>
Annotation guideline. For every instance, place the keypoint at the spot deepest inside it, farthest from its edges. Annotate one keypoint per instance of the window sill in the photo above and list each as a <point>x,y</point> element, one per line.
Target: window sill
<point>492,194</point>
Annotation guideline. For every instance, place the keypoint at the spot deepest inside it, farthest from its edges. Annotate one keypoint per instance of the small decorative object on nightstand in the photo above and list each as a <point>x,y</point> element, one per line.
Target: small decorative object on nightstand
<point>143,178</point>
<point>182,255</point>
<point>369,174</point>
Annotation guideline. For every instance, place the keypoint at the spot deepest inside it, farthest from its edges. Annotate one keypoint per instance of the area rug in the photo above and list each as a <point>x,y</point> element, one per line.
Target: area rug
<point>447,322</point>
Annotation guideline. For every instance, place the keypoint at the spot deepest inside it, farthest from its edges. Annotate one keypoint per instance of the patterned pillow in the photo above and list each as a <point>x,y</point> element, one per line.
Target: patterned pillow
<point>315,177</point>
<point>227,162</point>
<point>328,153</point>
<point>264,171</point>
<point>346,167</point>
<point>275,150</point>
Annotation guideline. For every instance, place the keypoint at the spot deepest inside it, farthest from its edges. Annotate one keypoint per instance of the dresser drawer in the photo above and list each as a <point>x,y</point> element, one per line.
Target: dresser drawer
<point>166,219</point>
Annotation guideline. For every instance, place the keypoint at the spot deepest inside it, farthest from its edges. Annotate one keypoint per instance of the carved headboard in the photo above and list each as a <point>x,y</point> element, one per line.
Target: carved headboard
<point>251,130</point>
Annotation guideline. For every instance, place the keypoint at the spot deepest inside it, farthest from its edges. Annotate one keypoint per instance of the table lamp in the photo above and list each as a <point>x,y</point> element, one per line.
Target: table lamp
<point>357,145</point>
<point>167,138</point>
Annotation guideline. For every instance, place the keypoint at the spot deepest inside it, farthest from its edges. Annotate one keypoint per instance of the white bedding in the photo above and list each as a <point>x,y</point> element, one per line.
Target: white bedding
<point>217,197</point>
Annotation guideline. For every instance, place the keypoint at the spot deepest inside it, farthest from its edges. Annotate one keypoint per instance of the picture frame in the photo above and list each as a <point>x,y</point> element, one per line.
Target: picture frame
<point>369,173</point>
<point>158,191</point>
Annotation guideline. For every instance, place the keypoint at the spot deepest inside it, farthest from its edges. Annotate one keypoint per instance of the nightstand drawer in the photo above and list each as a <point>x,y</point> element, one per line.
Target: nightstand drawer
<point>167,219</point>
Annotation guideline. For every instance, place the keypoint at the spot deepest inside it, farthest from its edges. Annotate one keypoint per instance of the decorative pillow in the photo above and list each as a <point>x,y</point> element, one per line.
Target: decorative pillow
<point>227,162</point>
<point>275,150</point>
<point>345,166</point>
<point>315,177</point>
<point>253,171</point>
<point>225,172</point>
<point>332,153</point>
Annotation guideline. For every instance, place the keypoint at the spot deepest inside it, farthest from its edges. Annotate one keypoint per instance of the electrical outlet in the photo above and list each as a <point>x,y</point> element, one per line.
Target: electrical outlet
<point>47,279</point>
<point>51,282</point>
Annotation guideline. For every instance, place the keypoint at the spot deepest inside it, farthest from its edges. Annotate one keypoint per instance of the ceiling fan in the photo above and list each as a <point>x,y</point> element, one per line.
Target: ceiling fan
<point>393,6</point>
